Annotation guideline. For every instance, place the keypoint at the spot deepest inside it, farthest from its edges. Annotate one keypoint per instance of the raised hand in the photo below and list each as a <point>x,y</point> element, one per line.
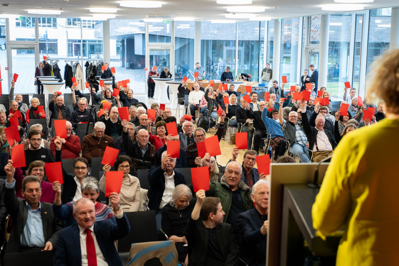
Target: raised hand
<point>106,168</point>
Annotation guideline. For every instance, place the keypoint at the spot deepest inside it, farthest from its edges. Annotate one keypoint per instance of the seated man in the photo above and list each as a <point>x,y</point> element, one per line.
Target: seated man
<point>211,241</point>
<point>129,100</point>
<point>324,111</point>
<point>34,226</point>
<point>145,123</point>
<point>81,114</point>
<point>164,115</point>
<point>163,181</point>
<point>181,162</point>
<point>234,195</point>
<point>113,126</point>
<point>254,105</point>
<point>249,174</point>
<point>43,144</point>
<point>246,123</point>
<point>94,144</point>
<point>143,154</point>
<point>231,90</point>
<point>58,109</point>
<point>194,98</point>
<point>35,150</point>
<point>70,146</point>
<point>254,224</point>
<point>133,115</point>
<point>191,151</point>
<point>22,107</point>
<point>186,135</point>
<point>259,125</point>
<point>118,143</point>
<point>95,239</point>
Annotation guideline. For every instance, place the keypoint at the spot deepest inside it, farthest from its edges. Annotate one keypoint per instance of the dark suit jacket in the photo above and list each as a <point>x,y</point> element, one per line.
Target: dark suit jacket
<point>315,78</point>
<point>68,247</point>
<point>303,82</point>
<point>311,133</point>
<point>253,242</point>
<point>18,210</point>
<point>3,211</point>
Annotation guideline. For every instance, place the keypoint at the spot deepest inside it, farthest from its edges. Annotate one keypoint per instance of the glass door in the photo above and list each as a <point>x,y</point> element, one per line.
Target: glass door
<point>23,64</point>
<point>160,58</point>
<point>313,59</point>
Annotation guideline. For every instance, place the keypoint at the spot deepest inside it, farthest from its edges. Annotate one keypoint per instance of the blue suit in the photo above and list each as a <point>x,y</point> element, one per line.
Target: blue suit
<point>315,78</point>
<point>253,242</point>
<point>68,246</point>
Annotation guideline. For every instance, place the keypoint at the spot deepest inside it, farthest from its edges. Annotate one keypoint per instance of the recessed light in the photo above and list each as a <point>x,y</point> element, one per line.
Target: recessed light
<point>183,19</point>
<point>44,12</point>
<point>336,24</point>
<point>106,16</point>
<point>223,21</point>
<point>141,4</point>
<point>353,1</point>
<point>153,20</point>
<point>103,10</point>
<point>249,9</point>
<point>93,18</point>
<point>240,15</point>
<point>342,7</point>
<point>234,2</point>
<point>260,19</point>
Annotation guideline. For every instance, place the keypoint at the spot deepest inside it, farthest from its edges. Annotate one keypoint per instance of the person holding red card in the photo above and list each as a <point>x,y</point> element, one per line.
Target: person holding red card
<point>43,69</point>
<point>246,122</point>
<point>107,95</point>
<point>164,115</point>
<point>145,123</point>
<point>94,144</point>
<point>210,161</point>
<point>348,97</point>
<point>35,150</point>
<point>350,126</point>
<point>113,126</point>
<point>127,98</point>
<point>58,109</point>
<point>259,125</point>
<point>200,70</point>
<point>151,82</point>
<point>81,114</point>
<point>14,112</point>
<point>186,135</point>
<point>35,111</point>
<point>324,111</point>
<point>191,150</point>
<point>231,110</point>
<point>22,107</point>
<point>194,98</point>
<point>159,139</point>
<point>70,146</point>
<point>106,74</point>
<point>181,161</point>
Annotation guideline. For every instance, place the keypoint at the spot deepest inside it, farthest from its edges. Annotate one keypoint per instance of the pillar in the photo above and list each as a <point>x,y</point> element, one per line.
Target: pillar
<point>323,55</point>
<point>394,42</point>
<point>197,45</point>
<point>106,41</point>
<point>276,49</point>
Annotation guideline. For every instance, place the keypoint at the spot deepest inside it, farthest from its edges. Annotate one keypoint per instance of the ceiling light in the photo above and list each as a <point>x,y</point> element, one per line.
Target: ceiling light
<point>92,18</point>
<point>336,24</point>
<point>44,11</point>
<point>353,1</point>
<point>384,26</point>
<point>240,15</point>
<point>378,21</point>
<point>255,9</point>
<point>103,10</point>
<point>183,19</point>
<point>342,7</point>
<point>141,4</point>
<point>105,16</point>
<point>153,20</point>
<point>260,19</point>
<point>223,21</point>
<point>234,2</point>
<point>9,16</point>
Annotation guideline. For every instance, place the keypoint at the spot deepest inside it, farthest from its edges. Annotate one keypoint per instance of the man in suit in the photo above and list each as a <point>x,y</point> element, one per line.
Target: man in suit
<point>314,77</point>
<point>304,80</point>
<point>34,225</point>
<point>253,226</point>
<point>89,242</point>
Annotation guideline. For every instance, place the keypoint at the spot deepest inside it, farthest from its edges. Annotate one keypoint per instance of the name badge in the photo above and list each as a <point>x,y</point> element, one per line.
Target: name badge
<point>43,156</point>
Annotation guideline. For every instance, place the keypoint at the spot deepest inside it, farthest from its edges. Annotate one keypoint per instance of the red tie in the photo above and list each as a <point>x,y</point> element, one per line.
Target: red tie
<point>91,249</point>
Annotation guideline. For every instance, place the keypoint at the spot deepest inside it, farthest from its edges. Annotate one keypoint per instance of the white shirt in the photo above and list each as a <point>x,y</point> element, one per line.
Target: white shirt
<point>169,187</point>
<point>78,193</point>
<point>323,143</point>
<point>195,97</point>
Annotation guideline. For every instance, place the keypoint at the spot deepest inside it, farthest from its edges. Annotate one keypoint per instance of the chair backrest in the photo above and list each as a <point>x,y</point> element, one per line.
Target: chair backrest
<point>335,105</point>
<point>187,174</point>
<point>142,229</point>
<point>4,101</point>
<point>96,167</point>
<point>142,175</point>
<point>102,197</point>
<point>43,122</point>
<point>42,258</point>
<point>68,166</point>
<point>68,101</point>
<point>83,127</point>
<point>41,99</point>
<point>25,98</point>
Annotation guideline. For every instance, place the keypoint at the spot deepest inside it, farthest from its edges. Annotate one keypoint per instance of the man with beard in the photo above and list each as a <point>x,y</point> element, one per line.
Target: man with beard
<point>35,151</point>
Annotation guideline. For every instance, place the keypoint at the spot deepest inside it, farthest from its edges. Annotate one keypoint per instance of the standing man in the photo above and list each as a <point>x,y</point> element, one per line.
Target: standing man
<point>275,89</point>
<point>314,77</point>
<point>200,70</point>
<point>151,82</point>
<point>267,74</point>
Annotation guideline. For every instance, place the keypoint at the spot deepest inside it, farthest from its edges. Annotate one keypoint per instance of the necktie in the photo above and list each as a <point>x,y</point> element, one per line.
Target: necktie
<point>90,249</point>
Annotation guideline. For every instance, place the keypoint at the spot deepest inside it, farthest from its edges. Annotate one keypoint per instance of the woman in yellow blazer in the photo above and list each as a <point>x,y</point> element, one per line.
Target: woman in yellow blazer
<point>360,190</point>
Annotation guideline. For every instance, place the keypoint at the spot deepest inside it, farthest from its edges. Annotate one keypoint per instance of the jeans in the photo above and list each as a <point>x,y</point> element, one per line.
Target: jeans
<point>214,115</point>
<point>233,123</point>
<point>259,134</point>
<point>192,109</point>
<point>204,111</point>
<point>250,134</point>
<point>39,87</point>
<point>158,219</point>
<point>301,152</point>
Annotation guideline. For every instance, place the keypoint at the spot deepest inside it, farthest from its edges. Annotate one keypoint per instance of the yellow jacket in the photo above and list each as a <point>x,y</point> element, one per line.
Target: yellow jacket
<point>360,193</point>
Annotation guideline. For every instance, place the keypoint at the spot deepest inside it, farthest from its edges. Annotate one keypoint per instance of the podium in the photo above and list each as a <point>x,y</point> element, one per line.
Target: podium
<point>290,212</point>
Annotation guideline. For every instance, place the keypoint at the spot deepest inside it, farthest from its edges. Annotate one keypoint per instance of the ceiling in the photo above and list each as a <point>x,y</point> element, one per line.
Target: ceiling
<point>201,10</point>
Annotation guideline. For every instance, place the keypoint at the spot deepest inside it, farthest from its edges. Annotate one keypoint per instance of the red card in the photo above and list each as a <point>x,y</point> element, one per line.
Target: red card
<point>103,68</point>
<point>368,113</point>
<point>151,114</point>
<point>297,96</point>
<point>107,105</point>
<point>308,87</point>
<point>171,128</point>
<point>15,77</point>
<point>124,113</point>
<point>18,156</point>
<point>266,96</point>
<point>145,69</point>
<point>212,146</point>
<point>100,113</point>
<point>225,87</point>
<point>263,163</point>
<point>73,79</point>
<point>319,94</point>
<point>40,109</point>
<point>248,89</point>
<point>306,95</point>
<point>154,67</point>
<point>110,155</point>
<point>44,57</point>
<point>113,182</point>
<point>87,85</point>
<point>75,84</point>
<point>242,140</point>
<point>173,148</point>
<point>292,88</point>
<point>344,109</point>
<point>359,101</point>
<point>124,83</point>
<point>115,92</point>
<point>162,106</point>
<point>284,78</point>
<point>347,84</point>
<point>200,178</point>
<point>112,70</point>
<point>60,128</point>
<point>102,83</point>
<point>188,117</point>
<point>195,74</point>
<point>59,93</point>
<point>226,100</point>
<point>219,111</point>
<point>53,171</point>
<point>84,123</point>
<point>119,84</point>
<point>316,100</point>
<point>211,83</point>
<point>12,134</point>
<point>201,149</point>
<point>324,101</point>
<point>220,86</point>
<point>185,79</point>
<point>270,109</point>
<point>247,99</point>
<point>14,121</point>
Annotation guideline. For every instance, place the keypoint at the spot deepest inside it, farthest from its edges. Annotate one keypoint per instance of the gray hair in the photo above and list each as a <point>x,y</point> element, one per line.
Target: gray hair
<point>14,101</point>
<point>142,130</point>
<point>68,123</point>
<point>130,124</point>
<point>34,98</point>
<point>186,123</point>
<point>260,181</point>
<point>200,129</point>
<point>320,117</point>
<point>81,201</point>
<point>35,126</point>
<point>141,108</point>
<point>143,114</point>
<point>99,125</point>
<point>293,112</point>
<point>165,153</point>
<point>114,108</point>
<point>90,183</point>
<point>181,190</point>
<point>132,107</point>
<point>234,162</point>
<point>83,99</point>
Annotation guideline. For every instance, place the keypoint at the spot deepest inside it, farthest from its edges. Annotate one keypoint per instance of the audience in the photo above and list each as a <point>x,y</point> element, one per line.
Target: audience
<point>323,111</point>
<point>163,115</point>
<point>181,162</point>
<point>35,151</point>
<point>380,112</point>
<point>249,174</point>
<point>210,161</point>
<point>118,143</point>
<point>128,99</point>
<point>58,109</point>
<point>133,115</point>
<point>191,151</point>
<point>70,146</point>
<point>348,128</point>
<point>259,125</point>
<point>231,110</point>
<point>22,107</point>
<point>246,123</point>
<point>159,139</point>
<point>94,144</point>
<point>145,124</point>
<point>348,97</point>
<point>33,113</point>
<point>186,136</point>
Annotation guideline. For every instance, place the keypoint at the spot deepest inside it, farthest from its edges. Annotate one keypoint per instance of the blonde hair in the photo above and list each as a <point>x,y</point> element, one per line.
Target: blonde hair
<point>231,97</point>
<point>384,81</point>
<point>328,94</point>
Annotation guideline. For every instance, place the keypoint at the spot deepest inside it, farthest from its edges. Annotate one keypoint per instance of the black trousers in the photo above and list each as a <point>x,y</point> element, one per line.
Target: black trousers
<point>39,87</point>
<point>151,90</point>
<point>259,134</point>
<point>280,150</point>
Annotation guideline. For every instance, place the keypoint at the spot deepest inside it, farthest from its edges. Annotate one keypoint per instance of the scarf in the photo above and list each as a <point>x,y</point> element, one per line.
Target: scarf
<point>41,71</point>
<point>32,114</point>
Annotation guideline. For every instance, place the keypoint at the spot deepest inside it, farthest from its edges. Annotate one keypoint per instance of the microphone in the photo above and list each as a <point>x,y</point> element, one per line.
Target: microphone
<point>315,183</point>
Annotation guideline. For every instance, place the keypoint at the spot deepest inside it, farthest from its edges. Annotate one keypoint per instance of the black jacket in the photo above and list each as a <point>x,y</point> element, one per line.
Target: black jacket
<point>226,75</point>
<point>182,91</point>
<point>328,125</point>
<point>156,179</point>
<point>107,74</point>
<point>68,76</point>
<point>57,72</point>
<point>303,82</point>
<point>257,117</point>
<point>315,78</point>
<point>311,133</point>
<point>181,162</point>
<point>148,161</point>
<point>108,122</point>
<point>241,115</point>
<point>165,75</point>
<point>66,113</point>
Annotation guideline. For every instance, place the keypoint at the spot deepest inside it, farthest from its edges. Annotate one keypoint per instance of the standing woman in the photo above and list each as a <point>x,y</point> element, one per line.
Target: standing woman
<point>362,196</point>
<point>41,70</point>
<point>151,82</point>
<point>304,80</point>
<point>32,113</point>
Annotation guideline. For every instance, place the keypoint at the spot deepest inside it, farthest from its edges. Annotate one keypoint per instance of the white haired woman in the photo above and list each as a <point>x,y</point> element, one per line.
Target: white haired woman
<point>33,112</point>
<point>175,216</point>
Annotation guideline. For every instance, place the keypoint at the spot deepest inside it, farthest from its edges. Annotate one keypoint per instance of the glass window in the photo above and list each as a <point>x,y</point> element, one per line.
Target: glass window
<point>290,34</point>
<point>379,34</point>
<point>338,53</point>
<point>248,48</point>
<point>184,49</point>
<point>22,27</point>
<point>314,33</point>
<point>3,56</point>
<point>92,39</point>
<point>23,61</point>
<point>128,52</point>
<point>262,43</point>
<point>356,60</point>
<point>218,48</point>
<point>159,32</point>
<point>270,41</point>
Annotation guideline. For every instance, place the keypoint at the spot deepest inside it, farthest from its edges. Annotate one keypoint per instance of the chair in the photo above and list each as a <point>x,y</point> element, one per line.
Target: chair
<point>42,122</point>
<point>67,164</point>
<point>102,197</point>
<point>4,101</point>
<point>97,167</point>
<point>142,229</point>
<point>81,131</point>
<point>142,175</point>
<point>68,101</point>
<point>42,258</point>
<point>187,174</point>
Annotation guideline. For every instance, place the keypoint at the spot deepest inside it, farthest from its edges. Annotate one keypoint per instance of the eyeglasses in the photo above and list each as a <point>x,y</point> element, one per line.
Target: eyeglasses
<point>323,112</point>
<point>80,168</point>
<point>124,166</point>
<point>37,140</point>
<point>37,170</point>
<point>200,136</point>
<point>293,116</point>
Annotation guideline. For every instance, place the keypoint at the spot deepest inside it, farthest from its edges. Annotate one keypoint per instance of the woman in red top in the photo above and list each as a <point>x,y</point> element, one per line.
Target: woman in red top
<point>35,112</point>
<point>159,139</point>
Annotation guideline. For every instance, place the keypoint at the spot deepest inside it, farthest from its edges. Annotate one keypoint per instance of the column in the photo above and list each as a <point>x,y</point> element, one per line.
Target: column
<point>323,55</point>
<point>106,41</point>
<point>276,49</point>
<point>394,28</point>
<point>197,44</point>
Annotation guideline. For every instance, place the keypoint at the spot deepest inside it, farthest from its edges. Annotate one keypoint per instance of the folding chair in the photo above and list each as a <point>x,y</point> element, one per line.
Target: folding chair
<point>25,98</point>
<point>142,175</point>
<point>4,101</point>
<point>41,98</point>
